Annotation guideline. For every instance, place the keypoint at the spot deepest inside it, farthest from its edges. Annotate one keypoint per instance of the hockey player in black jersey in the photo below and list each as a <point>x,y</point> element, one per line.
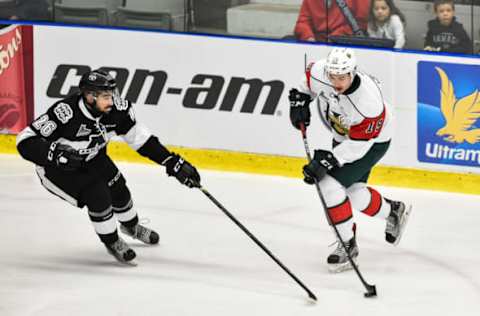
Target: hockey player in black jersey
<point>68,145</point>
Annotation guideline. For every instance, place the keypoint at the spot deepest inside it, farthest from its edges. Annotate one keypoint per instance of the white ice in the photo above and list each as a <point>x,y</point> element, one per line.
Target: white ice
<point>52,263</point>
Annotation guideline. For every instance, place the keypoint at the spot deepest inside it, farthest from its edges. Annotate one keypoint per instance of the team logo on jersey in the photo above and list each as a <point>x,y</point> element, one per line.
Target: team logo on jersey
<point>97,141</point>
<point>83,131</point>
<point>64,112</point>
<point>448,113</point>
<point>120,104</point>
<point>338,123</point>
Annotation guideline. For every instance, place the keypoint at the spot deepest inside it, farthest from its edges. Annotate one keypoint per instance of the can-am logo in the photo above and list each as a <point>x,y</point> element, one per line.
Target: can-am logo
<point>203,92</point>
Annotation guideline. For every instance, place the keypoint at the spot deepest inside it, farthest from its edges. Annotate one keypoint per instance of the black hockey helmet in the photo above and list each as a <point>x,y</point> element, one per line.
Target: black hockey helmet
<point>97,80</point>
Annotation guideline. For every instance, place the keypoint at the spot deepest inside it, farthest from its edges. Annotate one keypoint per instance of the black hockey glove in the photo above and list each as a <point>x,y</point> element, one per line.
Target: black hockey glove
<point>322,162</point>
<point>182,170</point>
<point>299,108</point>
<point>64,157</point>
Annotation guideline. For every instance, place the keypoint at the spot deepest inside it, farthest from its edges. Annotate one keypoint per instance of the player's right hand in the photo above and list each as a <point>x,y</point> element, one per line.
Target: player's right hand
<point>64,157</point>
<point>299,108</point>
<point>183,171</point>
<point>322,162</point>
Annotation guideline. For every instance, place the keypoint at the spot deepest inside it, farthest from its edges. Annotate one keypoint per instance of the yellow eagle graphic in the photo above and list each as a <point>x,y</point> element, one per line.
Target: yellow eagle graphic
<point>459,115</point>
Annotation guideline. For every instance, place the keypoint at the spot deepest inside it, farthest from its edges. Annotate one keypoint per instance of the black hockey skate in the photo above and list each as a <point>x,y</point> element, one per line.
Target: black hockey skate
<point>338,260</point>
<point>396,221</point>
<point>141,233</point>
<point>121,251</point>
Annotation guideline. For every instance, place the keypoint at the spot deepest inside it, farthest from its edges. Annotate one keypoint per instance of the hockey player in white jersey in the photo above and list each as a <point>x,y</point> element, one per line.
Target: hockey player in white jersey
<point>68,145</point>
<point>361,121</point>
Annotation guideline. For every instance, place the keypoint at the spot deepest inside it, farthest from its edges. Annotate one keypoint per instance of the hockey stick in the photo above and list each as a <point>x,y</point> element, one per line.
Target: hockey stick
<point>371,289</point>
<point>268,252</point>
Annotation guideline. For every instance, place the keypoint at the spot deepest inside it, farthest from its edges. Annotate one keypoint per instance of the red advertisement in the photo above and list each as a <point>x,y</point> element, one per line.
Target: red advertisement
<point>16,78</point>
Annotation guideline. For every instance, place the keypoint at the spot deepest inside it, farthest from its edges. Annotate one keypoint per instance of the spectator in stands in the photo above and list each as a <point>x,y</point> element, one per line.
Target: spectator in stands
<point>445,33</point>
<point>386,21</point>
<point>8,12</point>
<point>35,10</point>
<point>321,18</point>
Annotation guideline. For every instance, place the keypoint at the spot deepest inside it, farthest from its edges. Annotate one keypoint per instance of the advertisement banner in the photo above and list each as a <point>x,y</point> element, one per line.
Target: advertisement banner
<point>448,113</point>
<point>16,78</point>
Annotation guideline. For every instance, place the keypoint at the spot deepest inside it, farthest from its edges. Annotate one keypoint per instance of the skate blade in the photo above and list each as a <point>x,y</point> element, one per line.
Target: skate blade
<point>341,267</point>
<point>130,263</point>
<point>142,241</point>
<point>403,223</point>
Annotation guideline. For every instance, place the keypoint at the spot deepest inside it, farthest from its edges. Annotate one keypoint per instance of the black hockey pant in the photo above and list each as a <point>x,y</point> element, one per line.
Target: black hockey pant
<point>101,187</point>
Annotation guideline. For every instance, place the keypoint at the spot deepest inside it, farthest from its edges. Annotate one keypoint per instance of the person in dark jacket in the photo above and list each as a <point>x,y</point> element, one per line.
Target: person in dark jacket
<point>33,10</point>
<point>444,33</point>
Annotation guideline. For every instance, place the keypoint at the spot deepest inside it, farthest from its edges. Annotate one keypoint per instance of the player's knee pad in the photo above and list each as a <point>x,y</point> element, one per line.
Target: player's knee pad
<point>365,199</point>
<point>359,195</point>
<point>356,187</point>
<point>96,197</point>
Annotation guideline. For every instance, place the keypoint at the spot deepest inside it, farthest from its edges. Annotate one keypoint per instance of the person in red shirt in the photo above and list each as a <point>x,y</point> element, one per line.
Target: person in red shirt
<point>319,18</point>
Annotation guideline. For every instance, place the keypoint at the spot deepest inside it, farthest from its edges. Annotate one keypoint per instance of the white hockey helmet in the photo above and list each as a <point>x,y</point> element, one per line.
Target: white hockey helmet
<point>341,61</point>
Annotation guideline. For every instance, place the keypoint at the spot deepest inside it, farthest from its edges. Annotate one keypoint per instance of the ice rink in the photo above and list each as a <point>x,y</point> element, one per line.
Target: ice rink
<point>52,263</point>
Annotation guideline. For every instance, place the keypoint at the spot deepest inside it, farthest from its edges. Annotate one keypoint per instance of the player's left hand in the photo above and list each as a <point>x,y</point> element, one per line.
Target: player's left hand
<point>299,108</point>
<point>322,162</point>
<point>183,171</point>
<point>64,157</point>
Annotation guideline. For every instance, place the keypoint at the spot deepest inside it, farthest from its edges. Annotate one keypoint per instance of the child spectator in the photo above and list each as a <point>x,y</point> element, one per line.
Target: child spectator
<point>445,33</point>
<point>386,21</point>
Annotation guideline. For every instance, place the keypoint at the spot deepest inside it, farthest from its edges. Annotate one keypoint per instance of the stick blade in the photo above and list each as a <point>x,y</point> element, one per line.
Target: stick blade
<point>371,291</point>
<point>312,297</point>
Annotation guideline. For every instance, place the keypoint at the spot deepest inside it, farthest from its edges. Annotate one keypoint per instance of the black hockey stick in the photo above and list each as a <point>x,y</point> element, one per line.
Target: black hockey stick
<point>268,252</point>
<point>371,289</point>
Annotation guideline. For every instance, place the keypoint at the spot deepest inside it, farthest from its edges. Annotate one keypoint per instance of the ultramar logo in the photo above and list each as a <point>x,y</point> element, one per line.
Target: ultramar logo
<point>204,91</point>
<point>448,113</point>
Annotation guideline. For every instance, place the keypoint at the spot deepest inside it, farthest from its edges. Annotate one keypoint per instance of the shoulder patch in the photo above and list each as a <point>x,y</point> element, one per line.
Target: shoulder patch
<point>120,104</point>
<point>64,112</point>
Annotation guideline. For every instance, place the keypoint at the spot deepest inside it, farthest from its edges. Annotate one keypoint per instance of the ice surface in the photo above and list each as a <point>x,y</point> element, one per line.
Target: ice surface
<point>52,263</point>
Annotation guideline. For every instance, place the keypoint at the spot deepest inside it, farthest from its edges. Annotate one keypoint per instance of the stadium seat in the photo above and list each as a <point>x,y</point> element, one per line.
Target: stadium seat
<point>82,11</point>
<point>144,14</point>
